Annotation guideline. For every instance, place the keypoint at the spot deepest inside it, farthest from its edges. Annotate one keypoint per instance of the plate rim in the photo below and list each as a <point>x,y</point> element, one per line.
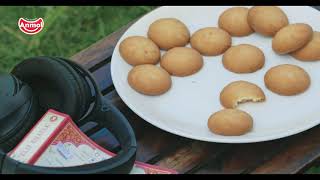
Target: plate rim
<point>281,135</point>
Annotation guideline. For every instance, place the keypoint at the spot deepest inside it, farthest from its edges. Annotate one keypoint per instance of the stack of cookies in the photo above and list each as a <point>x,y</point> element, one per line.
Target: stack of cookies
<point>171,35</point>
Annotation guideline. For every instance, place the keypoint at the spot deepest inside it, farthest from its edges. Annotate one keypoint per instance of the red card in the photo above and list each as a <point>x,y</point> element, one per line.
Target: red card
<point>56,141</point>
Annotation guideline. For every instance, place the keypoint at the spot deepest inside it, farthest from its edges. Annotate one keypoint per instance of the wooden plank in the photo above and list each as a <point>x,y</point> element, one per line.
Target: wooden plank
<point>105,139</point>
<point>316,7</point>
<point>87,126</point>
<point>101,50</point>
<point>186,156</point>
<point>241,158</point>
<point>149,148</point>
<point>302,151</point>
<point>136,122</point>
<point>152,141</point>
<point>103,78</point>
<point>156,143</point>
<point>234,164</point>
<point>152,146</point>
<point>192,155</point>
<point>288,155</point>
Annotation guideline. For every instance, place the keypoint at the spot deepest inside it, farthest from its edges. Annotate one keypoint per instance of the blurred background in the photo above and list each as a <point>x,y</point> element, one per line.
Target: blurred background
<point>67,30</point>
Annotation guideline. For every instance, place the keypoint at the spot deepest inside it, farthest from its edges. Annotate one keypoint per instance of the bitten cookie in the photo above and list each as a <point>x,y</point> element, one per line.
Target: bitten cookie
<point>240,92</point>
<point>287,80</point>
<point>137,50</point>
<point>149,79</point>
<point>267,20</point>
<point>311,51</point>
<point>292,38</point>
<point>230,122</point>
<point>243,58</point>
<point>234,21</point>
<point>168,33</point>
<point>182,61</point>
<point>211,41</point>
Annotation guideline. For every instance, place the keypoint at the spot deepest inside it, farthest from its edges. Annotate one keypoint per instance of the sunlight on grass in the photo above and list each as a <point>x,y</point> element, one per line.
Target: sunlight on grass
<point>314,170</point>
<point>67,30</point>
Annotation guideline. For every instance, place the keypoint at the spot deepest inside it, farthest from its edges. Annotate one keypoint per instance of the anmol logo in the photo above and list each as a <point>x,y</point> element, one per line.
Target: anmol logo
<point>31,27</point>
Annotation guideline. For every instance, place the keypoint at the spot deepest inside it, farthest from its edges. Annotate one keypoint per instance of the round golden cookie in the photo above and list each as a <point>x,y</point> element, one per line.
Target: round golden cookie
<point>149,79</point>
<point>211,41</point>
<point>230,122</point>
<point>311,51</point>
<point>267,20</point>
<point>137,50</point>
<point>240,92</point>
<point>243,58</point>
<point>168,33</point>
<point>182,61</point>
<point>287,80</point>
<point>234,21</point>
<point>292,38</point>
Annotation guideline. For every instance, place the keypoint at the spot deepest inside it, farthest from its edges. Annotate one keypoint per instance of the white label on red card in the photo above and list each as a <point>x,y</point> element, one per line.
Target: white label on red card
<point>56,141</point>
<point>37,137</point>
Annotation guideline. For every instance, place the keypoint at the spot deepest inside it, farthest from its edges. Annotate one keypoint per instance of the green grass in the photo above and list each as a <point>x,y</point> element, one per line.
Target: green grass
<point>314,170</point>
<point>67,30</point>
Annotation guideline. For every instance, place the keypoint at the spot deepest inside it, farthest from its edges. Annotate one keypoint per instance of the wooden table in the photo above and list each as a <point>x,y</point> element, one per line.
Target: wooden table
<point>288,155</point>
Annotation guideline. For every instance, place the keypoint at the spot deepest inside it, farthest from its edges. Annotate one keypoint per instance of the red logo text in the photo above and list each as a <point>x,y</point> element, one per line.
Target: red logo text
<point>31,27</point>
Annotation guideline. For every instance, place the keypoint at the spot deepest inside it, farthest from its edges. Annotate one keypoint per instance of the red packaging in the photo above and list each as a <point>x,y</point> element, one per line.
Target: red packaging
<point>56,141</point>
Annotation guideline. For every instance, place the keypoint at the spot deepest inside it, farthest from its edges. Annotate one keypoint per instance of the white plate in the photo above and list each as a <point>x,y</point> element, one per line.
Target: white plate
<point>185,108</point>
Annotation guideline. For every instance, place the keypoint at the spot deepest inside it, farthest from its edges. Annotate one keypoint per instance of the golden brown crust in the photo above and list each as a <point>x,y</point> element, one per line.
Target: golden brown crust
<point>137,50</point>
<point>311,51</point>
<point>243,58</point>
<point>292,38</point>
<point>211,41</point>
<point>267,20</point>
<point>230,122</point>
<point>149,79</point>
<point>234,21</point>
<point>182,61</point>
<point>287,80</point>
<point>240,92</point>
<point>168,33</point>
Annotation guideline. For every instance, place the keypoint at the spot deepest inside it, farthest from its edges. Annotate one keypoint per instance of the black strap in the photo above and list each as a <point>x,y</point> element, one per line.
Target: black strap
<point>2,157</point>
<point>107,116</point>
<point>122,163</point>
